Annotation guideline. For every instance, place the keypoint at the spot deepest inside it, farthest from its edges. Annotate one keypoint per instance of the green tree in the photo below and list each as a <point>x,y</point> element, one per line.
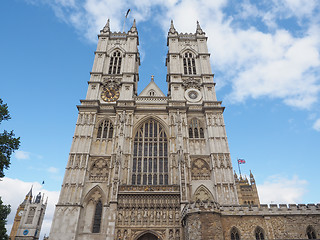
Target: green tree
<point>8,143</point>
<point>4,212</point>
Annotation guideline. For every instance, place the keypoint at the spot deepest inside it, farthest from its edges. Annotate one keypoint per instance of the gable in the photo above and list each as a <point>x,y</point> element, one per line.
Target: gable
<point>151,90</point>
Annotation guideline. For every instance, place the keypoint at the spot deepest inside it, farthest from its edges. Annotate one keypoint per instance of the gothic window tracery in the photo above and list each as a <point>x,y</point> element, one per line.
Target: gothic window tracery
<point>234,234</point>
<point>105,130</point>
<point>150,155</point>
<point>97,217</point>
<point>259,233</point>
<point>202,194</point>
<point>311,233</point>
<point>200,170</point>
<point>195,129</point>
<point>189,65</point>
<point>115,63</point>
<point>99,170</point>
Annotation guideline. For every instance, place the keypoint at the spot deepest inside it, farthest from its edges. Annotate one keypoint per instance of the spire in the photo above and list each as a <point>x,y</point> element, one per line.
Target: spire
<point>235,175</point>
<point>28,197</point>
<point>172,29</point>
<point>133,29</point>
<point>252,180</point>
<point>152,78</point>
<point>199,29</point>
<point>38,198</point>
<point>246,179</point>
<point>106,27</point>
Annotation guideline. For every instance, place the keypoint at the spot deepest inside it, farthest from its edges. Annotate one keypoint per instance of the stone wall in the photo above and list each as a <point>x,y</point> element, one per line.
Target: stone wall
<point>208,221</point>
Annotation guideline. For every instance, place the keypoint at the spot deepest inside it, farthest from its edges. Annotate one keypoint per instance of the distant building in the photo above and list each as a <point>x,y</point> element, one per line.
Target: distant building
<point>151,166</point>
<point>247,192</point>
<point>29,217</point>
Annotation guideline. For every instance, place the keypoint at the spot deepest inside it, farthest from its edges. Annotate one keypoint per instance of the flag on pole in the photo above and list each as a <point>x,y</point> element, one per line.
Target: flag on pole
<point>128,12</point>
<point>241,161</point>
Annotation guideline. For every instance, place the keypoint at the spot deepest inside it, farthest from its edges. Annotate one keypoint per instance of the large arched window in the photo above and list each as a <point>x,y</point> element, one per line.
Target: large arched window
<point>234,234</point>
<point>195,130</point>
<point>311,233</point>
<point>97,217</point>
<point>259,233</point>
<point>105,130</point>
<point>115,63</point>
<point>150,155</point>
<point>189,64</point>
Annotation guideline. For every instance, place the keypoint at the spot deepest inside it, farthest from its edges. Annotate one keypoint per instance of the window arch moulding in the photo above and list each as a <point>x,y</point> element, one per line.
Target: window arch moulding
<point>202,194</point>
<point>105,130</point>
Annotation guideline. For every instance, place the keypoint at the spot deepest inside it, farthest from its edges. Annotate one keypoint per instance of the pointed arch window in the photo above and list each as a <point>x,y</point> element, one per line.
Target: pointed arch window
<point>234,234</point>
<point>150,155</point>
<point>259,233</point>
<point>189,64</point>
<point>105,130</point>
<point>195,129</point>
<point>97,217</point>
<point>311,233</point>
<point>115,63</point>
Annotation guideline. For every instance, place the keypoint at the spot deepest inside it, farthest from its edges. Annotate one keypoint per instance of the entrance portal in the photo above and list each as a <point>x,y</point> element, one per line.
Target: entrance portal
<point>148,236</point>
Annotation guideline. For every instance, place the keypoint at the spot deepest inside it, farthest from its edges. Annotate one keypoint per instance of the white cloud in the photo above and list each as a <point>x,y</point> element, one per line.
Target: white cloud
<point>53,170</point>
<point>279,189</point>
<point>13,192</point>
<point>278,60</point>
<point>316,125</point>
<point>21,155</point>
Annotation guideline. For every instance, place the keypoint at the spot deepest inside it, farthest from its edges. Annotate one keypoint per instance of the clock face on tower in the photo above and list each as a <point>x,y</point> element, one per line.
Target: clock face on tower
<point>193,95</point>
<point>110,94</point>
<point>20,213</point>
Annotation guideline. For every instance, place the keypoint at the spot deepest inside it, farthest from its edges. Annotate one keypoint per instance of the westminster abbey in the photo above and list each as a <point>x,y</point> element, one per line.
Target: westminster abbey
<point>151,166</point>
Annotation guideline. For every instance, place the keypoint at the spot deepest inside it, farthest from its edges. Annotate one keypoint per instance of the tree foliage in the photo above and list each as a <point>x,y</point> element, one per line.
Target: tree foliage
<point>4,212</point>
<point>8,143</point>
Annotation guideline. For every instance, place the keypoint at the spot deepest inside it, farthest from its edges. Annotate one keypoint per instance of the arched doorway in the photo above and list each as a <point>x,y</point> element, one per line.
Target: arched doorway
<point>148,236</point>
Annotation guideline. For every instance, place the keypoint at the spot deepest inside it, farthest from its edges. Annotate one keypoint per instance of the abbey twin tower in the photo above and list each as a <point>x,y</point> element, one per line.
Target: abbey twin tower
<point>151,166</point>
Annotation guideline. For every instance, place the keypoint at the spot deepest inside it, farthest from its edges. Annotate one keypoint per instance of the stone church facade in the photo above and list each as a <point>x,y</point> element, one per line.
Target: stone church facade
<point>151,166</point>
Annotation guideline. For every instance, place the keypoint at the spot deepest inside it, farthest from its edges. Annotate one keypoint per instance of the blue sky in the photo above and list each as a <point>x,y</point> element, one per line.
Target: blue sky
<point>266,60</point>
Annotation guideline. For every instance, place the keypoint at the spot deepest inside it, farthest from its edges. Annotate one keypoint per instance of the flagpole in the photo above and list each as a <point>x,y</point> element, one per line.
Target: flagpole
<point>125,18</point>
<point>239,166</point>
<point>124,23</point>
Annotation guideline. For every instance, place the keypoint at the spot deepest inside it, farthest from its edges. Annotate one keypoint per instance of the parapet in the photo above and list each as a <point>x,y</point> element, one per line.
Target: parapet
<point>272,209</point>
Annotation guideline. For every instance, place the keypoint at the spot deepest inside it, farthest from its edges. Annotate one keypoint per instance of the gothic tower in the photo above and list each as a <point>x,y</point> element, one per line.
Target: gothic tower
<point>31,218</point>
<point>247,192</point>
<point>17,218</point>
<point>138,162</point>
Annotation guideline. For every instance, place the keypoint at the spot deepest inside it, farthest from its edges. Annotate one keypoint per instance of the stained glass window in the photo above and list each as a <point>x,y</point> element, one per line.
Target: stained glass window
<point>150,155</point>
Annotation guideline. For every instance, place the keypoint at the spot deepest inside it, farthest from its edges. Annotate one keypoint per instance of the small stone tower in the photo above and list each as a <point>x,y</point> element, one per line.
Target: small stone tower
<point>247,192</point>
<point>31,218</point>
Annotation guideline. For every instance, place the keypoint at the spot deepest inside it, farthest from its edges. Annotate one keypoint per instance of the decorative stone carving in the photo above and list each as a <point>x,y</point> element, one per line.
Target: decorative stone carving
<point>99,170</point>
<point>95,197</point>
<point>191,83</point>
<point>111,82</point>
<point>162,210</point>
<point>202,194</point>
<point>200,170</point>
